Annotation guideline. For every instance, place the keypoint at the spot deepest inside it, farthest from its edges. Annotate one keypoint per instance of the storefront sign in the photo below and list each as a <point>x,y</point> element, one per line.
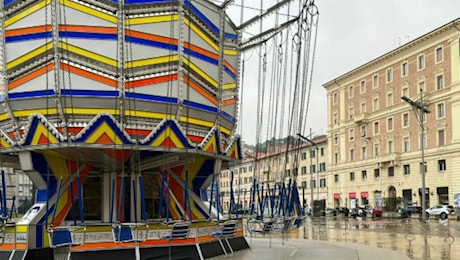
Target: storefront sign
<point>336,196</point>
<point>352,195</point>
<point>364,194</point>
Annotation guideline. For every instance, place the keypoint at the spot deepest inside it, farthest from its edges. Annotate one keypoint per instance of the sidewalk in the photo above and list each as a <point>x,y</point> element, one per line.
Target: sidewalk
<point>311,249</point>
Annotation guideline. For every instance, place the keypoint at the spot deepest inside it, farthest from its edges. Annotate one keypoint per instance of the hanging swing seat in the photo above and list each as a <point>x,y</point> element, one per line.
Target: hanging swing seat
<point>123,233</point>
<point>283,224</point>
<point>179,230</point>
<point>265,227</point>
<point>298,221</point>
<point>63,236</point>
<point>227,231</point>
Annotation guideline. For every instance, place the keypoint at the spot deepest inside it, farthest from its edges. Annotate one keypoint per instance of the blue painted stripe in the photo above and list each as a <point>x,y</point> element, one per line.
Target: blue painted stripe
<point>172,47</point>
<point>228,117</point>
<point>147,1</point>
<point>31,94</point>
<point>200,106</point>
<point>27,37</point>
<point>210,60</point>
<point>7,2</point>
<point>128,2</point>
<point>41,195</point>
<point>208,22</point>
<point>231,36</point>
<point>90,93</point>
<point>85,35</point>
<point>151,98</point>
<point>201,56</point>
<point>208,109</point>
<point>39,236</point>
<point>229,72</point>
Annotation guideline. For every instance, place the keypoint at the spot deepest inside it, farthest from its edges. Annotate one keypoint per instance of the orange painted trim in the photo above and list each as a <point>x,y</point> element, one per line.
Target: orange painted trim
<point>62,28</point>
<point>200,90</point>
<point>74,130</point>
<point>160,242</point>
<point>28,30</point>
<point>147,243</point>
<point>88,29</point>
<point>199,50</point>
<point>230,67</point>
<point>229,102</point>
<point>99,245</point>
<point>195,139</point>
<point>209,54</point>
<point>150,81</point>
<point>151,37</point>
<point>89,75</point>
<point>30,76</point>
<point>11,246</point>
<point>139,132</point>
<point>205,239</point>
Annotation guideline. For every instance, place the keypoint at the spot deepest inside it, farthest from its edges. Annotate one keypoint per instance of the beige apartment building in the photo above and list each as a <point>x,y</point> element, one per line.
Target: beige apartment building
<point>305,163</point>
<point>375,138</point>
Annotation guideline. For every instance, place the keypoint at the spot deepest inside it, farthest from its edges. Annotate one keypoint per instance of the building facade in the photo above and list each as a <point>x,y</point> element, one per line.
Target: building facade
<point>18,192</point>
<point>376,142</point>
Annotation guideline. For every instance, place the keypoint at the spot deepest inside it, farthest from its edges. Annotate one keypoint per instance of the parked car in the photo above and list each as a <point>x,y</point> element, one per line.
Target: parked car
<point>342,210</point>
<point>377,212</point>
<point>367,209</point>
<point>358,212</point>
<point>451,209</point>
<point>439,210</point>
<point>329,212</point>
<point>408,210</point>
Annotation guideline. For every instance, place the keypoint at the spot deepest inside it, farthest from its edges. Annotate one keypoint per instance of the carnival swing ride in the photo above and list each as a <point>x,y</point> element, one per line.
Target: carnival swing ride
<point>122,112</point>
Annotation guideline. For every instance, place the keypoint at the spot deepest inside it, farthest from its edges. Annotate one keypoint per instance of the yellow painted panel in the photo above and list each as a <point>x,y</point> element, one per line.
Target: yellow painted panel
<point>42,130</point>
<point>21,228</point>
<point>229,86</point>
<point>27,112</point>
<point>4,116</point>
<point>152,19</point>
<point>151,61</point>
<point>89,54</point>
<point>196,121</point>
<point>225,130</point>
<point>172,136</point>
<point>29,55</point>
<point>104,128</point>
<point>89,10</point>
<point>26,12</point>
<point>200,72</point>
<point>4,143</point>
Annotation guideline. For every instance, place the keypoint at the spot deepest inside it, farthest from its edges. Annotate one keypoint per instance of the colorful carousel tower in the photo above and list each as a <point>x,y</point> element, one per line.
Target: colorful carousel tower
<point>119,112</point>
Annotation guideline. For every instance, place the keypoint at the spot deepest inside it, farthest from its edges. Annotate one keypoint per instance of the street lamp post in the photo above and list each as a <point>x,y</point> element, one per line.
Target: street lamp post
<point>311,172</point>
<point>420,110</point>
<point>317,173</point>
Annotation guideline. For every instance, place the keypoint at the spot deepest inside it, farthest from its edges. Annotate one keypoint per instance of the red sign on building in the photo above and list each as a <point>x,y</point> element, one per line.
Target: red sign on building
<point>352,195</point>
<point>364,194</point>
<point>336,196</point>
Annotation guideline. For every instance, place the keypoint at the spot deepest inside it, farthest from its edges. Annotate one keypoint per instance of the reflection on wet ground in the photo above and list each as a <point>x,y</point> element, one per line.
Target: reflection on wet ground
<point>418,240</point>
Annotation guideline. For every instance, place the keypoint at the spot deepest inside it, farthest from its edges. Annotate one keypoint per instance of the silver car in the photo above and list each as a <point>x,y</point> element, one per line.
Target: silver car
<point>439,210</point>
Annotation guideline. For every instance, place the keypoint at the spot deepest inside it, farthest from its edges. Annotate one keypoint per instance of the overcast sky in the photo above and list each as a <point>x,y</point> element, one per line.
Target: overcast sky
<point>351,33</point>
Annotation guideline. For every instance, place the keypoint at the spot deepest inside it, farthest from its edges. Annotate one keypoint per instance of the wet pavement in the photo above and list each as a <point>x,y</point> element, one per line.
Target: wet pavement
<point>346,238</point>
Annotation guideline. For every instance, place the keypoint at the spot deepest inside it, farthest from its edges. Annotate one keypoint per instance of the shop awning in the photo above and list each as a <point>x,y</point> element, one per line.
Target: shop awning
<point>336,196</point>
<point>352,195</point>
<point>364,194</point>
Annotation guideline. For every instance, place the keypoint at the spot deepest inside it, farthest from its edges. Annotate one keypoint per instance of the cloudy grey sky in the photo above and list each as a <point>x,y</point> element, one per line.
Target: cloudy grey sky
<point>350,33</point>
